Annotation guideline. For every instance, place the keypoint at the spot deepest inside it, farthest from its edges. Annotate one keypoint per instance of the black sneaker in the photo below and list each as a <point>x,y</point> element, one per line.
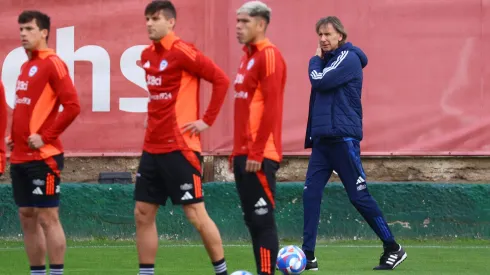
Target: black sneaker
<point>391,259</point>
<point>311,265</point>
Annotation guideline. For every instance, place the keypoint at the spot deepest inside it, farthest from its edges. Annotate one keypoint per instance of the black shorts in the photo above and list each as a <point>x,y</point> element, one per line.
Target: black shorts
<point>37,183</point>
<point>256,190</point>
<point>176,175</point>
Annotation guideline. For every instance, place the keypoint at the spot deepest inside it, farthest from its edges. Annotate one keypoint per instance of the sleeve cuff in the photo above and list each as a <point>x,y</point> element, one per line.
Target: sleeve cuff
<point>316,59</point>
<point>256,157</point>
<point>47,140</point>
<point>208,121</point>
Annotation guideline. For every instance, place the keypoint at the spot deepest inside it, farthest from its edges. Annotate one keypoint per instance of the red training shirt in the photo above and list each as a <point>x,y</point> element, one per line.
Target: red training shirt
<point>259,96</point>
<point>43,85</point>
<point>173,71</point>
<point>3,128</point>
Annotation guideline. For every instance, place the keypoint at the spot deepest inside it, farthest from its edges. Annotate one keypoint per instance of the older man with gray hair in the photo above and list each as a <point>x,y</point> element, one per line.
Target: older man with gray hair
<point>334,133</point>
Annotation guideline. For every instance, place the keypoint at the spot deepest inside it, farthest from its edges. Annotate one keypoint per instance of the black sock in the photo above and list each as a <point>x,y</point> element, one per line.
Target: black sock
<point>38,270</point>
<point>391,246</point>
<point>147,269</point>
<point>220,267</point>
<point>310,255</point>
<point>56,269</point>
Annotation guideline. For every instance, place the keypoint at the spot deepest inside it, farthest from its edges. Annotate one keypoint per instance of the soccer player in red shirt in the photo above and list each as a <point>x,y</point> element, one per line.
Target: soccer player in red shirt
<point>37,153</point>
<point>3,128</point>
<point>257,150</point>
<point>170,165</point>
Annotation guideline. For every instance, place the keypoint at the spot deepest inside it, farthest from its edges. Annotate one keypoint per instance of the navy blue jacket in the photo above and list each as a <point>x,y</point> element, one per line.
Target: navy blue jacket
<point>335,100</point>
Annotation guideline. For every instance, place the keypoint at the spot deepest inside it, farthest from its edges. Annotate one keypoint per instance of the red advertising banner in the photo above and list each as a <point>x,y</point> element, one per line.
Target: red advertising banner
<point>426,88</point>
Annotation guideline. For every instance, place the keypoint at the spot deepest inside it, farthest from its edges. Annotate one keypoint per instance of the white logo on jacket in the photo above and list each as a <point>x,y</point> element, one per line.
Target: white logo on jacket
<point>250,64</point>
<point>22,85</point>
<point>163,65</point>
<point>241,95</point>
<point>153,80</point>
<point>161,96</point>
<point>239,79</point>
<point>32,71</point>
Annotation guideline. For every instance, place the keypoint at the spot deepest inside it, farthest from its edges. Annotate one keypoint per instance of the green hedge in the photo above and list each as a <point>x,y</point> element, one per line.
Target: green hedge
<point>414,210</point>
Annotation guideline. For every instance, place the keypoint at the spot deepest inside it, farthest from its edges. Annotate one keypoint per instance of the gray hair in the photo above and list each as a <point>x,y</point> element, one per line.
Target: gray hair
<point>256,8</point>
<point>337,25</point>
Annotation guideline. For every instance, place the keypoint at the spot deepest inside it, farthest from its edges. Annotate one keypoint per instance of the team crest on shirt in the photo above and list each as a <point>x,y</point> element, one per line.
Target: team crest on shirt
<point>32,71</point>
<point>163,65</point>
<point>250,64</point>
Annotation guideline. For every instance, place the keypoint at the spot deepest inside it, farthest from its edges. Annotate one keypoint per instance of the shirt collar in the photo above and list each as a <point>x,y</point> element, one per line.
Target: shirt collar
<point>166,42</point>
<point>256,46</point>
<point>339,49</point>
<point>40,53</point>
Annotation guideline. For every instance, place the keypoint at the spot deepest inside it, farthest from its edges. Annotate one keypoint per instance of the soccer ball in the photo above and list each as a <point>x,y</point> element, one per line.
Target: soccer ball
<point>291,260</point>
<point>241,272</point>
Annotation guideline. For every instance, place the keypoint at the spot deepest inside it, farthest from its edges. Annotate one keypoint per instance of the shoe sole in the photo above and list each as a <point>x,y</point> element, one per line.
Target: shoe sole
<point>312,269</point>
<point>401,261</point>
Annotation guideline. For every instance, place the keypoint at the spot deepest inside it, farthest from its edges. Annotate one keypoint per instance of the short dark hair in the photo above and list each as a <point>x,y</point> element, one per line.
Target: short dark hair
<point>42,20</point>
<point>262,14</point>
<point>158,5</point>
<point>337,25</point>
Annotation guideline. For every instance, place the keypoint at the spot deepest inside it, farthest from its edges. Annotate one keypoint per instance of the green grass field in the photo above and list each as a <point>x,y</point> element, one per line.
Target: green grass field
<point>119,257</point>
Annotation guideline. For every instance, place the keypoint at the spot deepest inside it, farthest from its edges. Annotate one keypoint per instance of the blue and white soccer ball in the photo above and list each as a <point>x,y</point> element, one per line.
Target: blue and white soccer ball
<point>291,260</point>
<point>241,272</point>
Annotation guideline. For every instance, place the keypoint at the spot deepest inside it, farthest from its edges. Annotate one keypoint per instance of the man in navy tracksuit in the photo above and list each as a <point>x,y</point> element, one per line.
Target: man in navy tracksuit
<point>334,132</point>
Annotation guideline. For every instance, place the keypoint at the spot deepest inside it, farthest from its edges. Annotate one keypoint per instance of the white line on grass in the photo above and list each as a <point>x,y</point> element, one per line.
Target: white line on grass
<point>247,245</point>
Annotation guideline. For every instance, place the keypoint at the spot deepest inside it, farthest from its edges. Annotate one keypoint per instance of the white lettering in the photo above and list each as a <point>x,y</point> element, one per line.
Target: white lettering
<point>161,96</point>
<point>10,72</point>
<point>242,95</point>
<point>153,81</point>
<point>24,100</point>
<point>239,79</point>
<point>22,85</point>
<point>136,75</point>
<point>101,71</point>
<point>101,66</point>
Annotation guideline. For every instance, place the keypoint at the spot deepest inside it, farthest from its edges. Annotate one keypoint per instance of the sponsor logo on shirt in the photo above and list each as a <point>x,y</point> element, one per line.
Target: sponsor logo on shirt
<point>23,100</point>
<point>161,96</point>
<point>241,94</point>
<point>239,79</point>
<point>22,85</point>
<point>153,81</point>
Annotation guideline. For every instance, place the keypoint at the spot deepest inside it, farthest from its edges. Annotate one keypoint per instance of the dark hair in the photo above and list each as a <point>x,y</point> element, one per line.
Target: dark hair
<point>337,25</point>
<point>264,14</point>
<point>158,5</point>
<point>42,20</point>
